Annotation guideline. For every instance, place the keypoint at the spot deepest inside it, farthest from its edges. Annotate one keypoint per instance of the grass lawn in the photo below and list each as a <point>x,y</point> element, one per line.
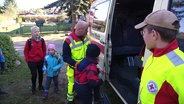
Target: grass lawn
<point>18,86</point>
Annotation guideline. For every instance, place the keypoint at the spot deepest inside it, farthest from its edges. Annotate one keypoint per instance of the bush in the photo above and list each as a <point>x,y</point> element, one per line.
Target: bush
<point>8,49</point>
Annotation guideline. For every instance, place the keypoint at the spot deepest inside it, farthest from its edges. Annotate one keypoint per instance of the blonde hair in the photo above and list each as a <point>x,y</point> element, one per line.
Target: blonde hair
<point>35,28</point>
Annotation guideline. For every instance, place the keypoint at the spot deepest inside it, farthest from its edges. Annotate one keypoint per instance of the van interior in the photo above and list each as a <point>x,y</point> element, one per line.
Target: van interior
<point>128,47</point>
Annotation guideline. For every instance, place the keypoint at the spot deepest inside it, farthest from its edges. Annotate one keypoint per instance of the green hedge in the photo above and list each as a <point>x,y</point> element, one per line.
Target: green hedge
<point>9,51</point>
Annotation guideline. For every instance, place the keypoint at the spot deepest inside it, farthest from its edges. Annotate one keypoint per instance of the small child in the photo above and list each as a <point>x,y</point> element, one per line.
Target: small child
<point>2,61</point>
<point>52,64</point>
<point>87,76</point>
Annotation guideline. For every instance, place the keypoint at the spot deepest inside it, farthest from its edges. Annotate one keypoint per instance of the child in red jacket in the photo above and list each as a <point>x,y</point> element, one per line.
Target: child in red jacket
<point>87,75</point>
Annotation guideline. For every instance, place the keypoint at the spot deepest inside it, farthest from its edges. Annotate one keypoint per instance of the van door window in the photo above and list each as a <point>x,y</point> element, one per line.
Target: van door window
<point>100,16</point>
<point>176,7</point>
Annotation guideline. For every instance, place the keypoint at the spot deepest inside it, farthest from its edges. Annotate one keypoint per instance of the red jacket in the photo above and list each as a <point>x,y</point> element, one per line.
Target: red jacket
<point>87,73</point>
<point>36,53</point>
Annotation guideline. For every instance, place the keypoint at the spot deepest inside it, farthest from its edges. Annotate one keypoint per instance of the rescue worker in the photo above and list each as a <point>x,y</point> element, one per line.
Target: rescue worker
<point>74,50</point>
<point>162,78</point>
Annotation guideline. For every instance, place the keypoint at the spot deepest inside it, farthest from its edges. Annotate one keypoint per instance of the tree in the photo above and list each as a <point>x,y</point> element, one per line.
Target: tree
<point>11,3</point>
<point>2,9</point>
<point>39,11</point>
<point>73,8</point>
<point>11,56</point>
<point>9,10</point>
<point>178,8</point>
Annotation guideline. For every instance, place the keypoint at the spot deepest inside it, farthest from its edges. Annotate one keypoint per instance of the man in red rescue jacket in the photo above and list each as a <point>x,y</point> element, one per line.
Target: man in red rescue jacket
<point>74,49</point>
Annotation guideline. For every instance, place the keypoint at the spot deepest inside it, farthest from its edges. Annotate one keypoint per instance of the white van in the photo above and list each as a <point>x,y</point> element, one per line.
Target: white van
<point>112,29</point>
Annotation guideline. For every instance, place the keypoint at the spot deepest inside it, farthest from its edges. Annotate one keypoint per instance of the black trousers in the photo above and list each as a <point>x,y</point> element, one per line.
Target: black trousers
<point>86,98</point>
<point>2,66</point>
<point>36,67</point>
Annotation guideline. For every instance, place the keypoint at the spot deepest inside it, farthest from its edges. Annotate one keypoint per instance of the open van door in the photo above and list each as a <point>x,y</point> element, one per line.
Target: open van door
<point>112,29</point>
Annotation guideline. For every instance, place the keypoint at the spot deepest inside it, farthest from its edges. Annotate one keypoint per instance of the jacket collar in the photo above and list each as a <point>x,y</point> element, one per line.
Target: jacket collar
<point>75,37</point>
<point>161,51</point>
<point>39,39</point>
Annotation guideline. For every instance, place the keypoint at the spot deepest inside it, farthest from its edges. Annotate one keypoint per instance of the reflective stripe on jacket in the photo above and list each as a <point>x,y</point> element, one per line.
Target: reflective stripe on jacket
<point>78,52</point>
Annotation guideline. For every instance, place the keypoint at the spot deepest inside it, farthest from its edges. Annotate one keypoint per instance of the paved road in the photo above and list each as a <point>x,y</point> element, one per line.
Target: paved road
<point>58,39</point>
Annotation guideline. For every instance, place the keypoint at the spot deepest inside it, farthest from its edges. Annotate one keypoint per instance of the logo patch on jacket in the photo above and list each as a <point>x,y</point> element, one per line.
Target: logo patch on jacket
<point>152,87</point>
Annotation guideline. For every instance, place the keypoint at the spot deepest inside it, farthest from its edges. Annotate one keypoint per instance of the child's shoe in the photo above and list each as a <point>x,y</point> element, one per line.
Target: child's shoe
<point>33,90</point>
<point>45,95</point>
<point>3,92</point>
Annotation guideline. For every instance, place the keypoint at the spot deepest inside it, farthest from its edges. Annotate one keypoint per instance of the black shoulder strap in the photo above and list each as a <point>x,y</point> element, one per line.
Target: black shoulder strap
<point>42,40</point>
<point>29,44</point>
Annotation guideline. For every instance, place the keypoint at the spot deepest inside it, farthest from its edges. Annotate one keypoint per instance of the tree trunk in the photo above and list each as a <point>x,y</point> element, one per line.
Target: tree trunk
<point>73,20</point>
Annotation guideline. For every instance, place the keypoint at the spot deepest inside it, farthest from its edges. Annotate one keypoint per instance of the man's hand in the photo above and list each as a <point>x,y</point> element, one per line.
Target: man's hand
<point>102,71</point>
<point>100,75</point>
